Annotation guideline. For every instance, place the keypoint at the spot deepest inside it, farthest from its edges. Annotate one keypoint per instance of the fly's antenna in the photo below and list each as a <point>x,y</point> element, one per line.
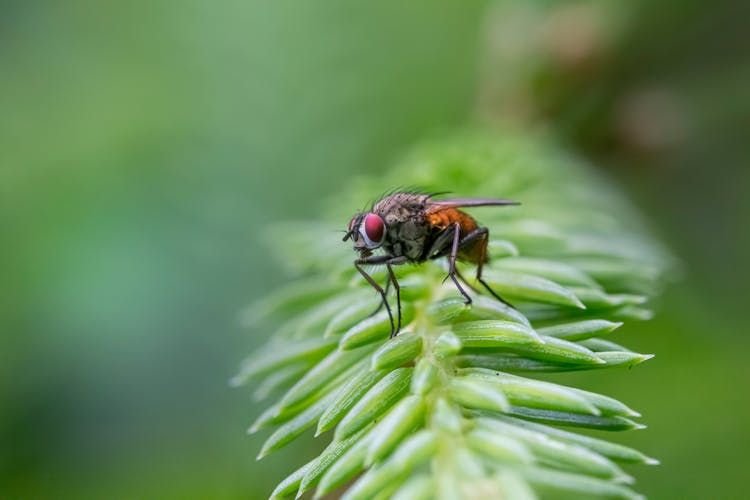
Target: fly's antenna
<point>354,225</point>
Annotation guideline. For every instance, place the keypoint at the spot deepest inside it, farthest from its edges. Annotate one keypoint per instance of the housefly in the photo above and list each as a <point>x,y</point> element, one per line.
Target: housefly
<point>414,228</point>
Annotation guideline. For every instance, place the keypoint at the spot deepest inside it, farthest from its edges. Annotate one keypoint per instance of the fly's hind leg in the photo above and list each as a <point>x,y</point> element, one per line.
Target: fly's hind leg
<point>465,281</point>
<point>482,234</point>
<point>452,262</point>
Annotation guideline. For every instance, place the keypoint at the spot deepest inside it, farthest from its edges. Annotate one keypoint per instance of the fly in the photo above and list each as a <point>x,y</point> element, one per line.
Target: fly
<point>414,228</point>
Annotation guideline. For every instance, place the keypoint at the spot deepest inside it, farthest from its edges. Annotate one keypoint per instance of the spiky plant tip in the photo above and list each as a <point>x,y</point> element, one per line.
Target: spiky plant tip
<point>451,404</point>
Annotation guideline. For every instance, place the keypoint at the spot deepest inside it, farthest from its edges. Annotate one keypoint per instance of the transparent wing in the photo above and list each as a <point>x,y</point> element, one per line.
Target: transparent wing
<point>467,202</point>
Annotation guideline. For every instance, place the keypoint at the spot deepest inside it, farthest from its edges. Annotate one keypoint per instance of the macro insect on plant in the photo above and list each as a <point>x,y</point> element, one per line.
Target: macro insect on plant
<point>414,227</point>
<point>462,403</point>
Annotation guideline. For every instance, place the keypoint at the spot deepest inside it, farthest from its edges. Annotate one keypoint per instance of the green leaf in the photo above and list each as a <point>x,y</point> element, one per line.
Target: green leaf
<point>446,417</point>
<point>279,413</point>
<point>268,416</point>
<point>413,288</point>
<point>534,393</point>
<point>317,317</point>
<point>606,405</point>
<point>513,362</point>
<point>580,330</point>
<point>424,377</point>
<point>412,452</point>
<point>459,424</point>
<point>556,453</point>
<point>348,317</point>
<point>387,491</point>
<point>321,374</point>
<point>558,272</point>
<point>513,485</point>
<point>502,248</point>
<point>290,484</point>
<point>499,447</point>
<point>400,350</point>
<point>273,357</point>
<point>369,330</point>
<point>627,358</point>
<point>467,465</point>
<point>597,299</point>
<point>564,485</point>
<point>455,310</point>
<point>346,397</point>
<point>497,334</point>
<point>525,287</point>
<point>634,313</point>
<point>376,402</point>
<point>293,297</point>
<point>615,423</point>
<point>489,308</point>
<point>324,461</point>
<point>373,329</point>
<point>346,467</point>
<point>282,377</point>
<point>401,420</point>
<point>601,345</point>
<point>447,310</point>
<point>535,237</point>
<point>447,344</point>
<point>560,351</point>
<point>295,426</point>
<point>475,393</point>
<point>613,451</point>
<point>448,485</point>
<point>420,487</point>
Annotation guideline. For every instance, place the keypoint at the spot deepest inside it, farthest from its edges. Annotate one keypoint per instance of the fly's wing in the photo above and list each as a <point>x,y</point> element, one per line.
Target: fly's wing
<point>436,205</point>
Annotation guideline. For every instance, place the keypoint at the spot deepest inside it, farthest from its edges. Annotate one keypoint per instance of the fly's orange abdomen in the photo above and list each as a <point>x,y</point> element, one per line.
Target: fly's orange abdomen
<point>441,219</point>
<point>444,218</point>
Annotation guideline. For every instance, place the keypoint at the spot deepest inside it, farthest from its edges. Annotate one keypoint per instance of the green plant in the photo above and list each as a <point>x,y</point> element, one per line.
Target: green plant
<point>453,407</point>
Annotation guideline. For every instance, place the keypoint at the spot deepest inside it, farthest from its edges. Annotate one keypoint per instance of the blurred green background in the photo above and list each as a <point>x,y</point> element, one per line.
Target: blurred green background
<point>144,145</point>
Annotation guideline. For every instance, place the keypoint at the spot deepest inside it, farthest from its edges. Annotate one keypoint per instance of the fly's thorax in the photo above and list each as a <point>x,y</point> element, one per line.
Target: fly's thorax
<point>407,239</point>
<point>401,207</point>
<point>410,230</point>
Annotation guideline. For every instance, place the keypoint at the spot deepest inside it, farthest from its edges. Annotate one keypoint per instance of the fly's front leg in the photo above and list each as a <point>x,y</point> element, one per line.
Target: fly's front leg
<point>394,262</point>
<point>484,234</point>
<point>380,306</point>
<point>388,261</point>
<point>370,260</point>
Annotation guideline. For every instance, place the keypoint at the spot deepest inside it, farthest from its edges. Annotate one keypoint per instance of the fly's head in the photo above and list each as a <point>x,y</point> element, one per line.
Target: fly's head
<point>367,231</point>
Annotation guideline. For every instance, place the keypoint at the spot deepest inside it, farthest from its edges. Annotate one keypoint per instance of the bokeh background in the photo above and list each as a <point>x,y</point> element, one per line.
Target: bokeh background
<point>145,144</point>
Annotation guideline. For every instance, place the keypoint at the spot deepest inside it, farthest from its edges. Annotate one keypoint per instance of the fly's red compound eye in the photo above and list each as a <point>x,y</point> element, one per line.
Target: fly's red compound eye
<point>372,230</point>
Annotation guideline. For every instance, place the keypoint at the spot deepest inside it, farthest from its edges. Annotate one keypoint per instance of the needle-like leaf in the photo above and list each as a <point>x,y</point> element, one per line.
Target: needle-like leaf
<point>534,393</point>
<point>476,393</point>
<point>526,287</point>
<point>449,408</point>
<point>405,416</point>
<point>580,330</point>
<point>347,396</point>
<point>400,350</point>
<point>377,400</point>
